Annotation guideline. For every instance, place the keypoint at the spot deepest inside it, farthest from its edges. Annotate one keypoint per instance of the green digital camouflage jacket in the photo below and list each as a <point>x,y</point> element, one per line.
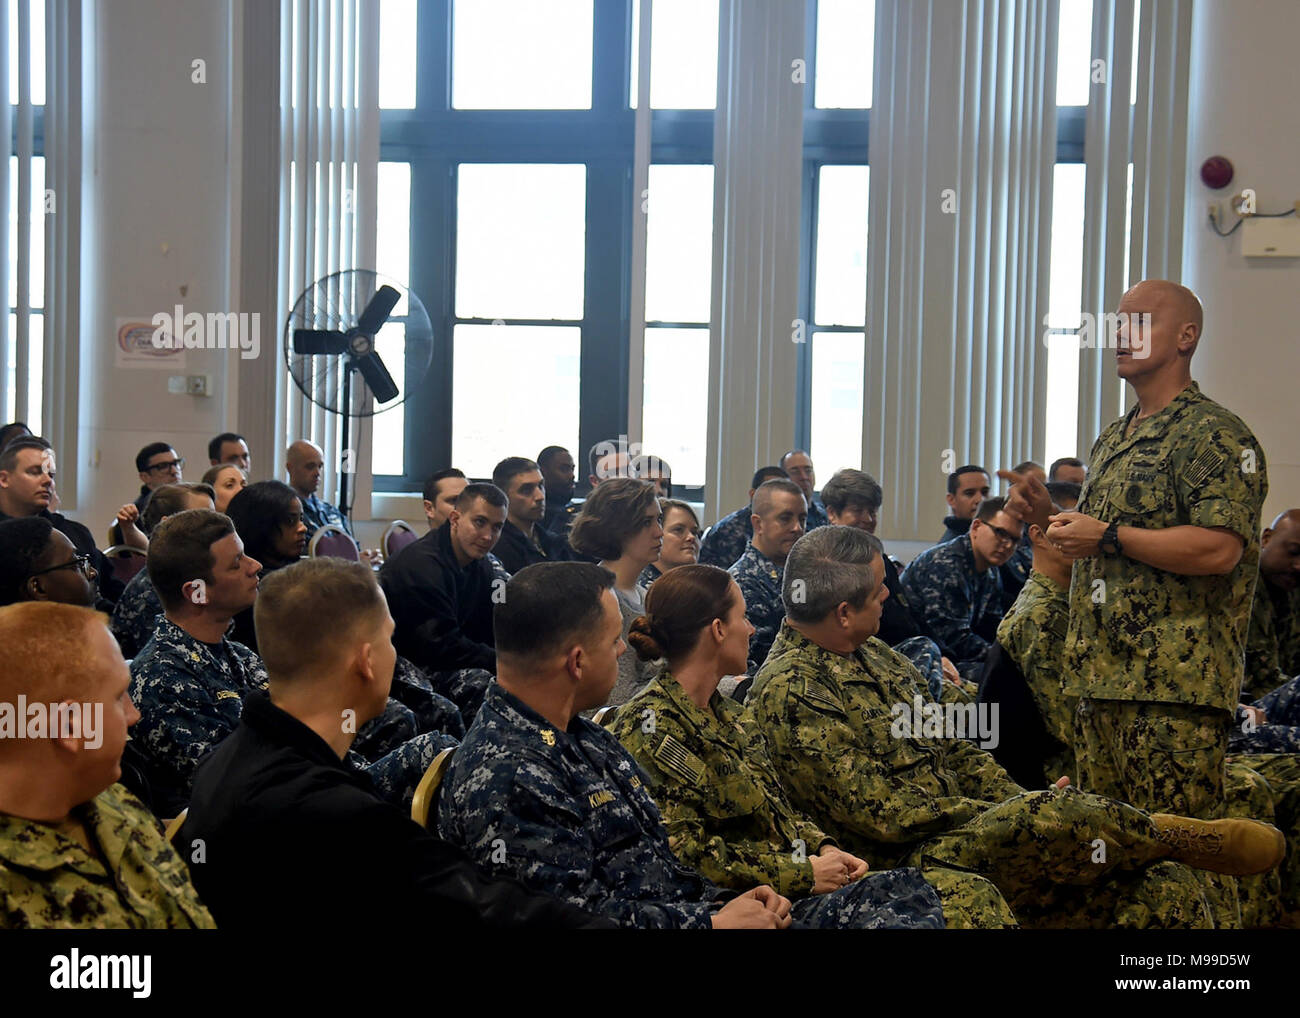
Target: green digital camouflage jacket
<point>833,735</point>
<point>725,811</point>
<point>1033,633</point>
<point>50,881</point>
<point>1140,633</point>
<point>1271,621</point>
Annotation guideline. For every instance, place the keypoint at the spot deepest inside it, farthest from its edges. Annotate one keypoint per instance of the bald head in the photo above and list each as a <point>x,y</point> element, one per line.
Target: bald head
<point>1174,300</point>
<point>1279,555</point>
<point>304,462</point>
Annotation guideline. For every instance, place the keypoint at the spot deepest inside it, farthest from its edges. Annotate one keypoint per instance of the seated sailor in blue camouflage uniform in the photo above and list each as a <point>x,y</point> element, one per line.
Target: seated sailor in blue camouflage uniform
<point>725,541</point>
<point>957,585</point>
<point>190,680</point>
<point>135,616</point>
<point>725,811</point>
<point>77,850</point>
<point>540,793</point>
<point>780,516</point>
<point>839,714</point>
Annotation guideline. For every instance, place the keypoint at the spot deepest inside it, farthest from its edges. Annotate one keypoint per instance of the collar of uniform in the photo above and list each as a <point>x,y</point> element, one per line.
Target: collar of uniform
<point>36,846</point>
<point>763,561</point>
<point>790,638</point>
<point>1049,587</point>
<point>519,715</point>
<point>706,720</point>
<point>281,727</point>
<point>1158,423</point>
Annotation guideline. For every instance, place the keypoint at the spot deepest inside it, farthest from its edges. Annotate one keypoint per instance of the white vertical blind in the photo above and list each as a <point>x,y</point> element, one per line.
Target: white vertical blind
<point>329,138</point>
<point>963,140</point>
<point>757,153</point>
<point>1157,149</point>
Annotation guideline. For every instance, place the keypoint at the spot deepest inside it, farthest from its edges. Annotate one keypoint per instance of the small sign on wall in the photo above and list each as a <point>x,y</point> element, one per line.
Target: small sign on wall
<point>135,347</point>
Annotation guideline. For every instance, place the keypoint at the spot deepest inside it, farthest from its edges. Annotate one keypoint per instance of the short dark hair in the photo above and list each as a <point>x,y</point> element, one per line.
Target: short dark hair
<point>171,498</point>
<point>763,493</point>
<point>431,485</point>
<point>549,453</point>
<point>23,541</point>
<point>547,606</point>
<point>678,612</point>
<point>990,507</point>
<point>151,450</point>
<point>1061,491</point>
<point>489,493</point>
<point>180,550</point>
<point>258,512</point>
<point>510,468</point>
<point>306,612</point>
<point>825,569</point>
<point>766,474</point>
<point>214,447</point>
<point>12,430</point>
<point>1064,461</point>
<point>610,515</point>
<point>608,447</point>
<point>852,487</point>
<point>955,476</point>
<point>1020,468</point>
<point>9,455</point>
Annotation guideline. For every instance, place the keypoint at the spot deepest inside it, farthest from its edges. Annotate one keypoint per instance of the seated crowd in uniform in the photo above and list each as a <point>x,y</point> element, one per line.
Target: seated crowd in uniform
<point>789,724</point>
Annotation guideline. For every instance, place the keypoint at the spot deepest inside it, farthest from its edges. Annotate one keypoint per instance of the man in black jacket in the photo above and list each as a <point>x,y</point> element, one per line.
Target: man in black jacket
<point>440,588</point>
<point>281,830</point>
<point>523,538</point>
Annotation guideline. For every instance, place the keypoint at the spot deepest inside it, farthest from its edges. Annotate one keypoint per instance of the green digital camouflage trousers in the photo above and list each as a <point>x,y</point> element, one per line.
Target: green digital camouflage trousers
<point>1272,899</point>
<point>1065,858</point>
<point>1160,757</point>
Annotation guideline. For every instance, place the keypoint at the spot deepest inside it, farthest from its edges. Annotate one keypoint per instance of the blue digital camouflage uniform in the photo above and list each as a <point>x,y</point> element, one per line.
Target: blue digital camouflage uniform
<point>648,575</point>
<point>725,542</point>
<point>568,812</point>
<point>959,603</point>
<point>816,515</point>
<point>48,880</point>
<point>899,798</point>
<point>1157,657</point>
<point>1014,573</point>
<point>190,695</point>
<point>759,579</point>
<point>316,513</point>
<point>135,616</point>
<point>725,811</point>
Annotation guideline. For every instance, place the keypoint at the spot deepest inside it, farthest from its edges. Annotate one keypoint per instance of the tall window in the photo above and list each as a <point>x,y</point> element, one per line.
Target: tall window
<point>507,140</point>
<point>31,257</point>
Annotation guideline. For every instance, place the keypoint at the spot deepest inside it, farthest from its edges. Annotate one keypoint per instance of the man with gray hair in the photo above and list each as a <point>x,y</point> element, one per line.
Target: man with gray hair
<point>838,711</point>
<point>779,517</point>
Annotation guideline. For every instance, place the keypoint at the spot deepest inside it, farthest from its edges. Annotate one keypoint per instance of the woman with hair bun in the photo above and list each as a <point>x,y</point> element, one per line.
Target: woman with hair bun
<point>726,814</point>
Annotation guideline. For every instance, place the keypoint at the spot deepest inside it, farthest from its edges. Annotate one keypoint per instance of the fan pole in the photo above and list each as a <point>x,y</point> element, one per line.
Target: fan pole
<point>348,457</point>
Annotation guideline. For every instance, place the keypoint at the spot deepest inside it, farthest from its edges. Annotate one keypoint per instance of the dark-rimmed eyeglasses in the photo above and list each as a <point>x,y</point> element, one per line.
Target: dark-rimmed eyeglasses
<point>80,562</point>
<point>176,464</point>
<point>1003,535</point>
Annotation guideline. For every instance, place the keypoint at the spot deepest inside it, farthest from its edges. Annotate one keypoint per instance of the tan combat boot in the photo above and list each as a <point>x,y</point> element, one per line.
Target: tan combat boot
<point>1234,846</point>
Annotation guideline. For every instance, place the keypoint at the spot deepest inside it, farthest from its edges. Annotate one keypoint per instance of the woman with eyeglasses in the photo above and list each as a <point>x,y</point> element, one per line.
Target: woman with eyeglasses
<point>38,563</point>
<point>681,545</point>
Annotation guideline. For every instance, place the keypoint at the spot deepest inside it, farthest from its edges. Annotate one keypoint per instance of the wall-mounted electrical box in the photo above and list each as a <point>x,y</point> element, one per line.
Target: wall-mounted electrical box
<point>1271,237</point>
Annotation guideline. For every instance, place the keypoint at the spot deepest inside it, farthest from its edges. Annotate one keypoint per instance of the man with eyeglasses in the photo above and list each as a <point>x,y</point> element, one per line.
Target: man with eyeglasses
<point>957,586</point>
<point>157,464</point>
<point>27,474</point>
<point>37,563</point>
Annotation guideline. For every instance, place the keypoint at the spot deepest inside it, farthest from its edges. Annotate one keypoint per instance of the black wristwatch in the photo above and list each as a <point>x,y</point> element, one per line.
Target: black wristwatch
<point>1109,542</point>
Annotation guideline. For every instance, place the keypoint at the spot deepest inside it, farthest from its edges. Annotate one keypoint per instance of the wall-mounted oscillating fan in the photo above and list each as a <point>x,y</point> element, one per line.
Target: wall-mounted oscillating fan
<point>357,321</point>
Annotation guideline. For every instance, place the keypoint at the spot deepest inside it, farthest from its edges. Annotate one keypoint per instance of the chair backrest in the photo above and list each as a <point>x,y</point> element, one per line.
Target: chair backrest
<point>331,541</point>
<point>426,792</point>
<point>174,826</point>
<point>605,716</point>
<point>126,561</point>
<point>398,535</point>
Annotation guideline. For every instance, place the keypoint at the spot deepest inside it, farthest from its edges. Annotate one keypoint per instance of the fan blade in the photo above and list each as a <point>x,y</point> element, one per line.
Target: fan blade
<point>377,312</point>
<point>377,377</point>
<point>318,341</point>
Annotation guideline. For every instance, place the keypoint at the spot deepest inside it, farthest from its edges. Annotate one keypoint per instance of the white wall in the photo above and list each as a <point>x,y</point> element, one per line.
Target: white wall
<point>1242,104</point>
<point>158,177</point>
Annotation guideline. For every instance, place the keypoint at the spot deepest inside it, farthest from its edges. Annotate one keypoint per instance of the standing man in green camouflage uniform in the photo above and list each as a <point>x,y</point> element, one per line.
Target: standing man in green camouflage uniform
<point>834,705</point>
<point>1166,547</point>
